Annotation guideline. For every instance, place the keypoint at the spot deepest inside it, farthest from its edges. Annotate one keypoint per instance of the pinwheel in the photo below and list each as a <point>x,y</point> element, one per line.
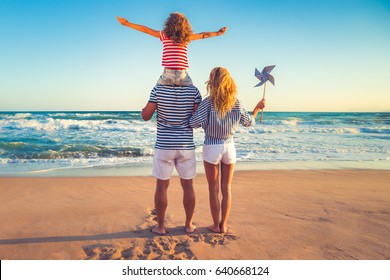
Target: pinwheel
<point>264,76</point>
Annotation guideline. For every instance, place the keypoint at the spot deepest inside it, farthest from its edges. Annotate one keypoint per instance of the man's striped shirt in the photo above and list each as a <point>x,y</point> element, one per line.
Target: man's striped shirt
<point>175,106</point>
<point>217,130</point>
<point>174,56</point>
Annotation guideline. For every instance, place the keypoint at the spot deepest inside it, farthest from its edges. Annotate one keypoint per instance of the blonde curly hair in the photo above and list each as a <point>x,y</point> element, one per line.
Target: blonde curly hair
<point>222,90</point>
<point>178,28</point>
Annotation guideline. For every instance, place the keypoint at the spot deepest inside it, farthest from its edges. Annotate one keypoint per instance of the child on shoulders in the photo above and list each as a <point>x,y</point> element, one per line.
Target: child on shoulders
<point>175,36</point>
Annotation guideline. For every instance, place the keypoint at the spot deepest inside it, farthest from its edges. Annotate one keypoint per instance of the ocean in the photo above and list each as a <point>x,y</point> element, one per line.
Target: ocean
<point>121,143</point>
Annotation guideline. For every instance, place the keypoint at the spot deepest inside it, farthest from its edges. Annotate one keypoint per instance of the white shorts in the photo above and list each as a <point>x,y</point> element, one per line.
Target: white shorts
<point>172,77</point>
<point>165,160</point>
<point>225,153</point>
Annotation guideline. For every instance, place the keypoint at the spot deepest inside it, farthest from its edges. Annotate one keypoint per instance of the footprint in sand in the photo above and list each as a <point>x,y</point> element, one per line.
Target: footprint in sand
<point>101,252</point>
<point>168,248</point>
<point>214,238</point>
<point>156,247</point>
<point>150,219</point>
<point>173,247</point>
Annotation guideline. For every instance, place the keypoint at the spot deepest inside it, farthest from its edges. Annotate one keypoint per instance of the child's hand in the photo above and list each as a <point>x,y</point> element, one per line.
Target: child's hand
<point>222,30</point>
<point>121,20</point>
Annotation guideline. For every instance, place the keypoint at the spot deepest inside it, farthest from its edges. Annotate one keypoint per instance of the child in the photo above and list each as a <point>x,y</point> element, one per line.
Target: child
<point>175,36</point>
<point>219,115</point>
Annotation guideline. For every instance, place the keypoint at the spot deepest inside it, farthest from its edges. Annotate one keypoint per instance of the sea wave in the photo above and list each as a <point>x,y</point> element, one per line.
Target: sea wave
<point>21,150</point>
<point>45,140</point>
<point>50,124</point>
<point>376,130</point>
<point>300,129</point>
<point>23,115</point>
<point>293,122</point>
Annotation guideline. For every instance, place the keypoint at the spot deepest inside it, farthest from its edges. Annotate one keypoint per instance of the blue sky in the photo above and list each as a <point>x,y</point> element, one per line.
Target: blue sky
<point>74,55</point>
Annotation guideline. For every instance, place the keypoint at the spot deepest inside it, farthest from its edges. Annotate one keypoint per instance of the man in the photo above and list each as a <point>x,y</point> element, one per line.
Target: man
<point>174,147</point>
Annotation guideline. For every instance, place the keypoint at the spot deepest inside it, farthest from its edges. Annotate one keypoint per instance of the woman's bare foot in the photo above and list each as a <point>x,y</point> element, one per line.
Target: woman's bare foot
<point>224,228</point>
<point>157,230</point>
<point>190,229</point>
<point>214,228</point>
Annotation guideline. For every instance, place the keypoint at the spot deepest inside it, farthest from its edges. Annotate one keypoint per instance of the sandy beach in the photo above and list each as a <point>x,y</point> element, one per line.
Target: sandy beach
<point>289,214</point>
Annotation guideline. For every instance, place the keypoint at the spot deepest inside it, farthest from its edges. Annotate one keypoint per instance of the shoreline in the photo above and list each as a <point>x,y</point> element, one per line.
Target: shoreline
<point>276,215</point>
<point>145,169</point>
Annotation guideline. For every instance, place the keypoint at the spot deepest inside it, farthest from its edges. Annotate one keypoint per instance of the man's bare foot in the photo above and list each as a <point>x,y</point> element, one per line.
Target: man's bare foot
<point>157,230</point>
<point>214,228</point>
<point>190,229</point>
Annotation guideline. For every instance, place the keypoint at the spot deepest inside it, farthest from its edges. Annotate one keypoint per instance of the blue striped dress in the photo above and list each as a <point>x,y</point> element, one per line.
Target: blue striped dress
<point>217,130</point>
<point>175,106</point>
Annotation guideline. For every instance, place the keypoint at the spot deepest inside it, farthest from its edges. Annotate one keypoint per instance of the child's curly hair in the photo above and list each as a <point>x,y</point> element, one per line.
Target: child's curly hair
<point>178,28</point>
<point>222,90</point>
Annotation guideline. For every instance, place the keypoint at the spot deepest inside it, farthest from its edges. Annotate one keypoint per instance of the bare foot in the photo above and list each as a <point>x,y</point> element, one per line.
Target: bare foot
<point>214,228</point>
<point>224,229</point>
<point>190,229</point>
<point>157,230</point>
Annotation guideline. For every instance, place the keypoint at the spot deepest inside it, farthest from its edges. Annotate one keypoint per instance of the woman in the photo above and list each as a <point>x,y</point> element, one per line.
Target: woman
<point>219,115</point>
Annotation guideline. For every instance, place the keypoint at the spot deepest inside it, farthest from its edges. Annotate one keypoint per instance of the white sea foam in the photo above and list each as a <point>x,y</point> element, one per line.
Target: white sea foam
<point>292,122</point>
<point>23,115</point>
<point>346,130</point>
<point>50,124</point>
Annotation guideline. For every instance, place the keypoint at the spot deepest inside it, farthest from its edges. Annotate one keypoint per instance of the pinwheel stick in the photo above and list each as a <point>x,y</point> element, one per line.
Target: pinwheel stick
<point>262,110</point>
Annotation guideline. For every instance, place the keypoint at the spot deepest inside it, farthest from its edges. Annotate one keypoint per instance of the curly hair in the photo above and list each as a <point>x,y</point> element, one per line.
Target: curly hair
<point>222,90</point>
<point>178,28</point>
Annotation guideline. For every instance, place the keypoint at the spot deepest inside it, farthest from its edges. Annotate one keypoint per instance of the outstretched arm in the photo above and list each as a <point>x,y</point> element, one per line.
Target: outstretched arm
<point>205,35</point>
<point>138,27</point>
